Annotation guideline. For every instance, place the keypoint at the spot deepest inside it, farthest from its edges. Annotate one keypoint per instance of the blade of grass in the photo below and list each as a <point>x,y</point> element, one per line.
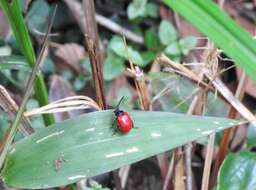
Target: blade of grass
<point>13,63</point>
<point>92,148</point>
<point>12,11</point>
<point>221,29</point>
<point>28,90</point>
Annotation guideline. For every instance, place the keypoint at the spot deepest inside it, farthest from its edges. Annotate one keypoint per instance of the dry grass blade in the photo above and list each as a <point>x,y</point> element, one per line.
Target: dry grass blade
<point>216,82</point>
<point>65,104</point>
<point>10,107</point>
<point>221,87</point>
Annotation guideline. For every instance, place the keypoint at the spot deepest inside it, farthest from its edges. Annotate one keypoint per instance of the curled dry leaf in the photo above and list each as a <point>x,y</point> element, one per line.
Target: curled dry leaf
<point>66,104</point>
<point>70,55</point>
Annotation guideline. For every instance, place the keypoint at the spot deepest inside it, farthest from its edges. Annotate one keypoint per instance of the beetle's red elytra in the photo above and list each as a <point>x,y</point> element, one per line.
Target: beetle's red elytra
<point>123,119</point>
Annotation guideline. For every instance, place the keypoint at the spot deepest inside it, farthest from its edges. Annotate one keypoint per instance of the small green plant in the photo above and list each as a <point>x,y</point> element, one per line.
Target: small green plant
<point>141,9</point>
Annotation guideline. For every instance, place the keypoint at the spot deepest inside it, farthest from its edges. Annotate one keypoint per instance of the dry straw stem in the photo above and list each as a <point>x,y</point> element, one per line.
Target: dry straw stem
<point>92,46</point>
<point>227,135</point>
<point>144,97</point>
<point>210,58</point>
<point>10,107</point>
<point>140,82</point>
<point>216,82</point>
<point>65,104</point>
<point>76,9</point>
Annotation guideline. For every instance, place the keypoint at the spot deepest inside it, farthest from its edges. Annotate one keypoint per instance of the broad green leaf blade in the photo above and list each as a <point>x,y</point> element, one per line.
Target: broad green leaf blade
<point>137,8</point>
<point>12,11</point>
<point>117,45</point>
<point>167,33</point>
<point>113,66</point>
<point>187,43</point>
<point>85,146</point>
<point>238,172</point>
<point>221,29</point>
<point>14,62</point>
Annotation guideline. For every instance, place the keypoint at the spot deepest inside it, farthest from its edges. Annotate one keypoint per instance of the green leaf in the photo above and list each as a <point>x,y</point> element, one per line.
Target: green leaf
<point>237,172</point>
<point>4,123</point>
<point>38,15</point>
<point>176,92</point>
<point>113,66</point>
<point>152,10</point>
<point>14,62</point>
<point>167,33</point>
<point>116,44</point>
<point>151,39</point>
<point>221,29</point>
<point>79,82</point>
<point>173,49</point>
<point>251,137</point>
<point>148,57</point>
<point>85,146</point>
<point>5,51</point>
<point>137,8</point>
<point>187,43</point>
<point>48,65</point>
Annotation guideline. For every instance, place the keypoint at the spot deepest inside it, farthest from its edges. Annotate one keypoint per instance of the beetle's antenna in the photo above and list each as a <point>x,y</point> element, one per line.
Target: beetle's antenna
<point>117,106</point>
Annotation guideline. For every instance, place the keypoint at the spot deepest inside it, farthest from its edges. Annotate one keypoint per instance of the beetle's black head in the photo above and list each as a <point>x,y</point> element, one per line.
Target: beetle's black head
<point>118,112</point>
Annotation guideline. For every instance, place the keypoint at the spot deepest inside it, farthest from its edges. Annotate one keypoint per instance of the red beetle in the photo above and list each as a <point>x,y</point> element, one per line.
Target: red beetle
<point>123,119</point>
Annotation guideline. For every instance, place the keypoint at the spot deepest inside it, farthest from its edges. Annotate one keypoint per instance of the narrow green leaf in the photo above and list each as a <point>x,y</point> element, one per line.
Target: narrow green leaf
<point>238,172</point>
<point>167,33</point>
<point>14,62</point>
<point>221,29</point>
<point>85,146</point>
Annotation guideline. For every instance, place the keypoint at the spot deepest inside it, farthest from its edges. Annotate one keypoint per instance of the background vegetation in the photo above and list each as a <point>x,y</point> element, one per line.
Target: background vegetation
<point>170,60</point>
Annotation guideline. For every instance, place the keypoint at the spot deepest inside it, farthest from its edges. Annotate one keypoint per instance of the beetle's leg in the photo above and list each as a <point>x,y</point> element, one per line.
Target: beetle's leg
<point>115,127</point>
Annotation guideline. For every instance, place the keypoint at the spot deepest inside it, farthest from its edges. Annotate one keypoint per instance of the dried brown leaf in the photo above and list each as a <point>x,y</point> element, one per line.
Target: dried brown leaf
<point>60,89</point>
<point>71,54</point>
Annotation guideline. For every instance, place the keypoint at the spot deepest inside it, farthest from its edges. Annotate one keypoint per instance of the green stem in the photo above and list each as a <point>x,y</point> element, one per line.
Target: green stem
<point>12,11</point>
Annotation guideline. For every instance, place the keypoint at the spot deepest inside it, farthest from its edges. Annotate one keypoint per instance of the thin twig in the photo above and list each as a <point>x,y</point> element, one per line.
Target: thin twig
<point>28,90</point>
<point>169,173</point>
<point>76,9</point>
<point>208,162</point>
<point>9,106</point>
